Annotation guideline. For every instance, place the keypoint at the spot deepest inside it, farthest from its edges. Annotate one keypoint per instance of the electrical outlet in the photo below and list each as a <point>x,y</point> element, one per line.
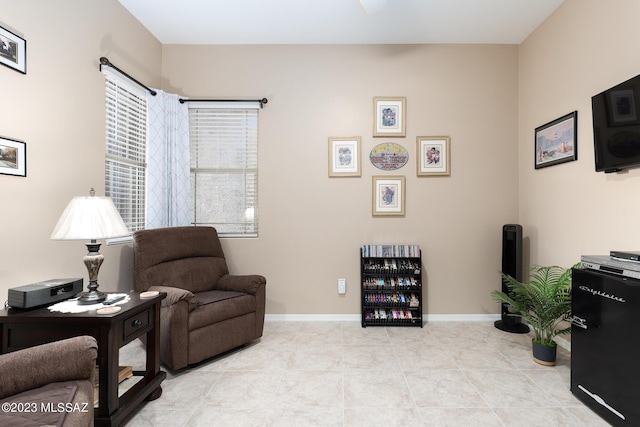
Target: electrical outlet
<point>342,286</point>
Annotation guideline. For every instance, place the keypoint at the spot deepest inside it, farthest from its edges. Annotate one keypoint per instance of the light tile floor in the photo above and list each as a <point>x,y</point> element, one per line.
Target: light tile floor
<point>340,374</point>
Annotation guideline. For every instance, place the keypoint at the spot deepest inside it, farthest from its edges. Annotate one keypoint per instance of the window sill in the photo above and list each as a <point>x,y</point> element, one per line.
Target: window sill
<point>119,241</point>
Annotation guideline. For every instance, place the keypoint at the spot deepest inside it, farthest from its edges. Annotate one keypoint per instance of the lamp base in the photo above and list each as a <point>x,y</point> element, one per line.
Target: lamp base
<point>93,261</point>
<point>92,297</point>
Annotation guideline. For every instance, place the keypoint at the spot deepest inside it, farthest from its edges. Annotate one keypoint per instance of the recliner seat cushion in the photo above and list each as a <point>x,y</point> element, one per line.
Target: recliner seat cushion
<point>48,396</point>
<point>216,306</point>
<point>208,297</point>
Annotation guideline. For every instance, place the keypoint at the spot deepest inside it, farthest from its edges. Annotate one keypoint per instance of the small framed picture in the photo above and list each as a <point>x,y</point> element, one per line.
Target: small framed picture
<point>389,116</point>
<point>13,157</point>
<point>388,195</point>
<point>344,156</point>
<point>13,51</point>
<point>434,155</point>
<point>557,141</point>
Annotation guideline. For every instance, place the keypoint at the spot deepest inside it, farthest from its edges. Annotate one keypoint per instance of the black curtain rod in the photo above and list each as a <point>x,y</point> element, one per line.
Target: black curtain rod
<point>261,101</point>
<point>105,61</point>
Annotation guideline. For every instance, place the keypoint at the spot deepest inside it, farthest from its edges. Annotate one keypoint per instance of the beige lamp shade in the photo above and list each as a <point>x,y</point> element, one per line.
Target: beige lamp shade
<point>89,218</point>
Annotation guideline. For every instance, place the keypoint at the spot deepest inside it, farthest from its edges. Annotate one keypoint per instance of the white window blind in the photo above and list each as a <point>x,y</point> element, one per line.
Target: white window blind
<point>224,167</point>
<point>126,144</point>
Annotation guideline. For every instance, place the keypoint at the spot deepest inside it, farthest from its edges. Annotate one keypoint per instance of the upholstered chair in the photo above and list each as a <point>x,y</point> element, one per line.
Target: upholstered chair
<point>41,383</point>
<point>207,311</point>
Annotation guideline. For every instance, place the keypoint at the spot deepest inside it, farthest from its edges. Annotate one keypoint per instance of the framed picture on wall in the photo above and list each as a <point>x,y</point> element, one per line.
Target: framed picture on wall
<point>13,51</point>
<point>557,141</point>
<point>13,157</point>
<point>434,155</point>
<point>389,116</point>
<point>344,156</point>
<point>388,195</point>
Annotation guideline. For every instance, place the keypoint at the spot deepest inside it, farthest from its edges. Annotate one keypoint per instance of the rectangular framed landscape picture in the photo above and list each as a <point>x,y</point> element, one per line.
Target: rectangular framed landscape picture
<point>344,156</point>
<point>389,114</point>
<point>13,51</point>
<point>434,155</point>
<point>389,196</point>
<point>557,141</point>
<point>13,157</point>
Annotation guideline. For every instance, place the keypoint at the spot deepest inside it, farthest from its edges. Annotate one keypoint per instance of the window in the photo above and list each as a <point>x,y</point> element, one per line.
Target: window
<point>224,167</point>
<point>126,144</point>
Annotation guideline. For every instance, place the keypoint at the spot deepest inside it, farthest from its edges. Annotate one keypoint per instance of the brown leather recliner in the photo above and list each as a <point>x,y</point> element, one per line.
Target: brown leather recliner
<point>207,311</point>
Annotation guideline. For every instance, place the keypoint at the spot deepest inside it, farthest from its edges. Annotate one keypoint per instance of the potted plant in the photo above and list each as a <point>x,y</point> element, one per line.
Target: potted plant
<point>544,302</point>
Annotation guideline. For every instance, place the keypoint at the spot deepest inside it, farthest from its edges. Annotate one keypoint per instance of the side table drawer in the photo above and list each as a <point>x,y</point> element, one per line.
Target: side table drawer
<point>136,323</point>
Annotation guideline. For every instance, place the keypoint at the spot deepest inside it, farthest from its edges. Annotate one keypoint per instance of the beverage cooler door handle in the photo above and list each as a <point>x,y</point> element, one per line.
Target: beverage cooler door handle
<point>579,322</point>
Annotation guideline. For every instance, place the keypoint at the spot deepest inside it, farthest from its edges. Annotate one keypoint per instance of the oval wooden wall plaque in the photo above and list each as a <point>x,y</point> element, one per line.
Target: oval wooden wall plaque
<point>389,156</point>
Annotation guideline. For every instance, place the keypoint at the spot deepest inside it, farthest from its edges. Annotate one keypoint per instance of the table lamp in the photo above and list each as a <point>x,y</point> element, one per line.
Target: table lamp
<point>90,218</point>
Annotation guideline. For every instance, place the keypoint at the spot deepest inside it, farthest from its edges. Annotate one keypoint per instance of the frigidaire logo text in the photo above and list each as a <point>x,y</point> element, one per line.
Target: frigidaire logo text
<point>601,294</point>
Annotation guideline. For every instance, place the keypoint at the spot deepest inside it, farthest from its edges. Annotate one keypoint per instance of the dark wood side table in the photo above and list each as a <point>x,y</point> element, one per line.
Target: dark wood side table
<point>139,318</point>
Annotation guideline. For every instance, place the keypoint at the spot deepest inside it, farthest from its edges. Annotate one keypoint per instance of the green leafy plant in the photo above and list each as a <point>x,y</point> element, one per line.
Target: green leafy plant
<point>544,302</point>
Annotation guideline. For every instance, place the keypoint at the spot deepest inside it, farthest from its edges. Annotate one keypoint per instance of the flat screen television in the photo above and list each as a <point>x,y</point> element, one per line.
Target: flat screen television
<point>616,127</point>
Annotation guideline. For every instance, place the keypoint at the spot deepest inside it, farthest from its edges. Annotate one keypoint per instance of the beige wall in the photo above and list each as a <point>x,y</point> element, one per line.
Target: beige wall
<point>569,210</point>
<point>57,108</point>
<point>312,226</point>
<point>484,97</point>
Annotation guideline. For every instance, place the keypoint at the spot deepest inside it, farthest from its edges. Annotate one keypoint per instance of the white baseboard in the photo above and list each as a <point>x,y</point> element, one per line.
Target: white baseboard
<point>357,318</point>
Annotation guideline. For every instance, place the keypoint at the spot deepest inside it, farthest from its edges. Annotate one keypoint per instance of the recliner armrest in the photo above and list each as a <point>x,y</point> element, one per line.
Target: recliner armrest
<point>241,283</point>
<point>175,295</point>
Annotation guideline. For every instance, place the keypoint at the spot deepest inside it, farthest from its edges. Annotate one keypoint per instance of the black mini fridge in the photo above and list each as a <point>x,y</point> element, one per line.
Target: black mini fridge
<point>605,344</point>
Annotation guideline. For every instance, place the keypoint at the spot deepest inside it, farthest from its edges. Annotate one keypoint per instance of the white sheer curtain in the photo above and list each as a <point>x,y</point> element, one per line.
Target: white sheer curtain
<point>168,173</point>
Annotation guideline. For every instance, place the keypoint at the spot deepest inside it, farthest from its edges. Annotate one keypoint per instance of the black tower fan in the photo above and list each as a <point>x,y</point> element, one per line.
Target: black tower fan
<point>512,266</point>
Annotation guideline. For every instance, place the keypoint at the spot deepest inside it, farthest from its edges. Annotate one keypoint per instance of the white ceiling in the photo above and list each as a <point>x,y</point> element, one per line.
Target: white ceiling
<point>340,21</point>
